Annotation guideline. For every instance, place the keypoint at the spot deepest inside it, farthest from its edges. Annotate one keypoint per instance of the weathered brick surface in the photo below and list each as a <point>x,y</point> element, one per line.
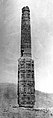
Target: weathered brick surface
<point>26,82</point>
<point>25,33</point>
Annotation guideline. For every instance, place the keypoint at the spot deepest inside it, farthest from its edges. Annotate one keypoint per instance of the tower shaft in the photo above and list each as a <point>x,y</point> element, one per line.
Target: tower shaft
<point>25,33</point>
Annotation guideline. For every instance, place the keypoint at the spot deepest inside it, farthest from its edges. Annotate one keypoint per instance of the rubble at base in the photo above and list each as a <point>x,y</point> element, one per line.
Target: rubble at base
<point>21,112</point>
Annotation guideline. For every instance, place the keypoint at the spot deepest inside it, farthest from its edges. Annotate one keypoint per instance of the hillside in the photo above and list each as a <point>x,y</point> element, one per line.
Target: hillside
<point>8,95</point>
<point>43,100</point>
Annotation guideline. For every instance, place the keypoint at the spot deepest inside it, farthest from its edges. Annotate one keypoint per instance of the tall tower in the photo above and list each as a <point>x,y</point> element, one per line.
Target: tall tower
<point>26,83</point>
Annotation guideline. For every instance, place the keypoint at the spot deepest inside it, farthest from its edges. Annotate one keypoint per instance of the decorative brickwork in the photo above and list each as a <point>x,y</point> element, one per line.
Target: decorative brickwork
<point>26,83</point>
<point>25,33</point>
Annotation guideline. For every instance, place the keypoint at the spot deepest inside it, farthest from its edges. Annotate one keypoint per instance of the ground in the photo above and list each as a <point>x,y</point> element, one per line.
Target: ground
<point>19,112</point>
<point>9,106</point>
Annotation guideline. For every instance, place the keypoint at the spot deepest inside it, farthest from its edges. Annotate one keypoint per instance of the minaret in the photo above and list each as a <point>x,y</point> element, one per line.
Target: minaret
<point>26,83</point>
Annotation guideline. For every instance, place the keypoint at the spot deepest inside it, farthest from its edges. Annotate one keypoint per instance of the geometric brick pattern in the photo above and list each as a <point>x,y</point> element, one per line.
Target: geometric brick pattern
<point>25,33</point>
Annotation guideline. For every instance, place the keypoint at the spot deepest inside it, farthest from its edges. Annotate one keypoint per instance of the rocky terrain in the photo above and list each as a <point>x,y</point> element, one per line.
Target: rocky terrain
<point>9,108</point>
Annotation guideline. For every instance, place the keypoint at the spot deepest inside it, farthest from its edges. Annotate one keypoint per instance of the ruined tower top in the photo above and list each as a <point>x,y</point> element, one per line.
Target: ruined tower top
<point>25,32</point>
<point>25,9</point>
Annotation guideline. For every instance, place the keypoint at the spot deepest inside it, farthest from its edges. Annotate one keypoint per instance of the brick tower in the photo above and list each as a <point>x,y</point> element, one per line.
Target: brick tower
<point>26,83</point>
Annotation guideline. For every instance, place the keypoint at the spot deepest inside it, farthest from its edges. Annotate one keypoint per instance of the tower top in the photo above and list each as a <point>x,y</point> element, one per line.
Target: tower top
<point>25,9</point>
<point>25,32</point>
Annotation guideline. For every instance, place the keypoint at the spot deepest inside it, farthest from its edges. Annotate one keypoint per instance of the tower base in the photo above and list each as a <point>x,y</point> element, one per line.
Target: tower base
<point>26,84</point>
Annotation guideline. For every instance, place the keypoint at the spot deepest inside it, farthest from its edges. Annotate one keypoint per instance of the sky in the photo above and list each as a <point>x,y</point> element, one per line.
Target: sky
<point>41,14</point>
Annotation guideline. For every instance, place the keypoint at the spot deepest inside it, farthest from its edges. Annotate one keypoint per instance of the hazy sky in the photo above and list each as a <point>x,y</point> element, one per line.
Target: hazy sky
<point>41,12</point>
